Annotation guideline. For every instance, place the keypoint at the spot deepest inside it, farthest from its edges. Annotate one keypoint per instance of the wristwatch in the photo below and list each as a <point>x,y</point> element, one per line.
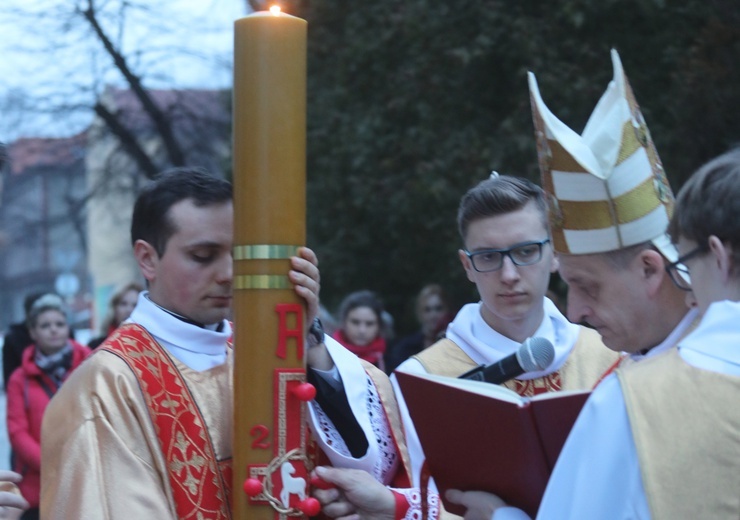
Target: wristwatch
<point>315,333</point>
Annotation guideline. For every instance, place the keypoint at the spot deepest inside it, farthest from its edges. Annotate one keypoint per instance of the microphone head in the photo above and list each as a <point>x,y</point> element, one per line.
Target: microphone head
<point>535,354</point>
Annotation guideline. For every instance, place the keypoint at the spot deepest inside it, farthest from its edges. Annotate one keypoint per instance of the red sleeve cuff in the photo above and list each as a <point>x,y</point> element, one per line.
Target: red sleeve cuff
<point>402,505</point>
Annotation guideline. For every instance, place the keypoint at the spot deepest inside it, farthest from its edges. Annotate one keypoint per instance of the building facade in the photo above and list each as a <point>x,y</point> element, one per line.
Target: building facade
<point>43,225</point>
<point>65,204</point>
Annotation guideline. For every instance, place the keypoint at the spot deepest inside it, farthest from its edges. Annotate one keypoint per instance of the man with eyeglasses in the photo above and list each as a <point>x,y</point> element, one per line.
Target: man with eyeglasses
<point>610,205</point>
<point>508,256</point>
<point>694,389</point>
<point>666,431</point>
<point>610,202</point>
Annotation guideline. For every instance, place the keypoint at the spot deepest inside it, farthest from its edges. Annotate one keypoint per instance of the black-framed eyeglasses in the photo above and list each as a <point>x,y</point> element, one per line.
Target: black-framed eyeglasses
<point>526,253</point>
<point>678,271</point>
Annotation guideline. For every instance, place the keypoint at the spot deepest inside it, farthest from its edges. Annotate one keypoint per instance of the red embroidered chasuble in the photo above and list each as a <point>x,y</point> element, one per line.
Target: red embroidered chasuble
<point>540,385</point>
<point>201,485</point>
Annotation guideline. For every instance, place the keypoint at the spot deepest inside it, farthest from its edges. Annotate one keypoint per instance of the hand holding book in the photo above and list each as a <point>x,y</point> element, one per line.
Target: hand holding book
<point>485,437</point>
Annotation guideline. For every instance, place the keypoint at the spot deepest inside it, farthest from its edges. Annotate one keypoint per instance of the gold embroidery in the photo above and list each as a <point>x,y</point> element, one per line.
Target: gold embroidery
<point>540,385</point>
<point>170,404</point>
<point>154,370</point>
<point>179,426</point>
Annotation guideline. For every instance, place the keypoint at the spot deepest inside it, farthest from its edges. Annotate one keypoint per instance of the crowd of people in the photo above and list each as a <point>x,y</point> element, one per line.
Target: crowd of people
<point>39,354</point>
<point>366,328</point>
<point>649,328</point>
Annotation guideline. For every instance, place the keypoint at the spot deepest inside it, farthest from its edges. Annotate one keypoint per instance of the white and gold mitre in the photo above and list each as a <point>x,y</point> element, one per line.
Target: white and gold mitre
<point>607,189</point>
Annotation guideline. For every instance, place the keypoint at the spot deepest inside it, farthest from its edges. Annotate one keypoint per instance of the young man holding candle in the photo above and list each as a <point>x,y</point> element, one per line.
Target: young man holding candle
<point>143,429</point>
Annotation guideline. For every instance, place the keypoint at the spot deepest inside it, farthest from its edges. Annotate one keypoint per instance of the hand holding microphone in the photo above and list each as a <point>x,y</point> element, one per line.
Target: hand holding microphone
<point>532,355</point>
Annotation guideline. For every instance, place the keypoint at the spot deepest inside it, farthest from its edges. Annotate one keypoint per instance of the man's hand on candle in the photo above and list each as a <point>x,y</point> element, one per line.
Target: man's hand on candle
<point>305,276</point>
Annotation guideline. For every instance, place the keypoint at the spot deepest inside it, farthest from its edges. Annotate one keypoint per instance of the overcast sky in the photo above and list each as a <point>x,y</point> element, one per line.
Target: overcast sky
<point>37,58</point>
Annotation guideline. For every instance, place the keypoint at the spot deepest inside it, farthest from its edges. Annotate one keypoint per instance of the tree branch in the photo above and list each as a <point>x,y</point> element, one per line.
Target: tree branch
<point>161,122</point>
<point>127,139</point>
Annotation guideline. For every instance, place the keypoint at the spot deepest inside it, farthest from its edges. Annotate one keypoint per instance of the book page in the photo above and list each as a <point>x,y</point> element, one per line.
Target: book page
<point>477,387</point>
<point>558,394</point>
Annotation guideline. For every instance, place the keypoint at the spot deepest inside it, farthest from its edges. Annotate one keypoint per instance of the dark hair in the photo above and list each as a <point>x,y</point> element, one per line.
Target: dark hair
<point>709,204</point>
<point>497,196</point>
<point>361,299</point>
<point>151,220</point>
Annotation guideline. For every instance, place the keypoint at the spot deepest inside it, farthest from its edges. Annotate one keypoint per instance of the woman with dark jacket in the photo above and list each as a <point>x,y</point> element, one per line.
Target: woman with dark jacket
<point>433,313</point>
<point>46,364</point>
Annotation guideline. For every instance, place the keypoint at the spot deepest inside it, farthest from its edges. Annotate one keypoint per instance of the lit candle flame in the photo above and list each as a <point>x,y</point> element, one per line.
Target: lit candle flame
<point>275,10</point>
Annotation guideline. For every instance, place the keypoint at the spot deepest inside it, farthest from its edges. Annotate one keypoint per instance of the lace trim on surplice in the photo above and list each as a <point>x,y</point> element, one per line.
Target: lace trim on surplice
<point>329,432</point>
<point>385,466</point>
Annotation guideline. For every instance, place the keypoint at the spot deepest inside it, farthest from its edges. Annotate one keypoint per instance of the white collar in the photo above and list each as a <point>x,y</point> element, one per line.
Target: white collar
<point>715,339</point>
<point>672,339</point>
<point>188,343</point>
<point>485,345</point>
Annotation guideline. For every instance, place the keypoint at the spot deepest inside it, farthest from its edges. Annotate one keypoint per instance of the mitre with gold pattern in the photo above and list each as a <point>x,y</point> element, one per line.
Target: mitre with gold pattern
<point>606,187</point>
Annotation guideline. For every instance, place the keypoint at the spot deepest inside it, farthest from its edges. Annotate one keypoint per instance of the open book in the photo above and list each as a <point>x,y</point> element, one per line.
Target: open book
<point>480,436</point>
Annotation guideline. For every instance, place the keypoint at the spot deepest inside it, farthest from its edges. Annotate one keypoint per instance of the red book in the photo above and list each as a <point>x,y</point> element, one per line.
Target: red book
<point>484,437</point>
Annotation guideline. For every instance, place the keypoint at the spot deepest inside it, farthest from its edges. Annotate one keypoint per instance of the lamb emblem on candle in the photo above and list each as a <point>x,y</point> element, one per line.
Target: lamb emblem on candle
<point>291,485</point>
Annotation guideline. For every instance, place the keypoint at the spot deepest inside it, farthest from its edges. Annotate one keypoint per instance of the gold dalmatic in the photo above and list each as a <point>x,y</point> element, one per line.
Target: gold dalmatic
<point>200,483</point>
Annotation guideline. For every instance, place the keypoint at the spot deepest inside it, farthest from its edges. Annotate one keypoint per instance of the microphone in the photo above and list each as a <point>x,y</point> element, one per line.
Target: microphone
<point>532,355</point>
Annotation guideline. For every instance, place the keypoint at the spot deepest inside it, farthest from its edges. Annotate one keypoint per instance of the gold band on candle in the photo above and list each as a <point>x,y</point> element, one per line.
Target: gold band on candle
<point>262,281</point>
<point>264,252</point>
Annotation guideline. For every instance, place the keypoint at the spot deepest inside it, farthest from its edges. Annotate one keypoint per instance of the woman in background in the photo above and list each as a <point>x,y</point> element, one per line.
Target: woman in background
<point>360,330</point>
<point>433,314</point>
<point>46,364</point>
<point>120,306</point>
